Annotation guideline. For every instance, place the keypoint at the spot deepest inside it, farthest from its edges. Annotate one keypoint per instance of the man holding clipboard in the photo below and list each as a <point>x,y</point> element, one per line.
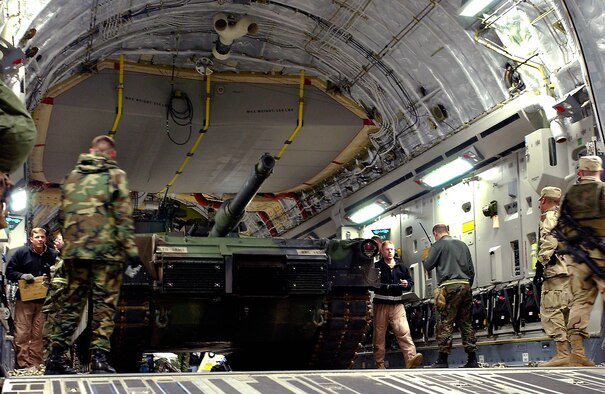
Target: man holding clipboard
<point>29,267</point>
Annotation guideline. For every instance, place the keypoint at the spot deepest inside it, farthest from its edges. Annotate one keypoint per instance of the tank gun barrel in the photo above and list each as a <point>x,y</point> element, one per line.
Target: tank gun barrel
<point>232,211</point>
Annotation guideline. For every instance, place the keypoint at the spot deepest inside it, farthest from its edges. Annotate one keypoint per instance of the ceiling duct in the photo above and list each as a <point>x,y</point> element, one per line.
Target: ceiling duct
<point>228,31</point>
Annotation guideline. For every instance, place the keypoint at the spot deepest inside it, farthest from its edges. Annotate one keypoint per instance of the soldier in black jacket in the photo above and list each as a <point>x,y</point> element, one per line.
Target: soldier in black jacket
<point>388,308</point>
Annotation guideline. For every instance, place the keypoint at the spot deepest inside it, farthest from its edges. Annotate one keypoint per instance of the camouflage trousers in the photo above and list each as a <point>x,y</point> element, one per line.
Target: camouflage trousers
<point>584,286</point>
<point>99,280</point>
<point>459,301</point>
<point>554,307</point>
<point>55,298</point>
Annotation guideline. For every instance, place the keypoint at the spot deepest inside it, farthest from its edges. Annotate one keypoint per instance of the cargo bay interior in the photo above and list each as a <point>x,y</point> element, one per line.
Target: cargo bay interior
<point>361,104</point>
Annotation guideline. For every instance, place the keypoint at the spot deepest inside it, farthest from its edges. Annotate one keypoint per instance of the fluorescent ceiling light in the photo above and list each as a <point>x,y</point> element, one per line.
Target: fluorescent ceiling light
<point>473,7</point>
<point>447,172</point>
<point>366,213</point>
<point>370,211</point>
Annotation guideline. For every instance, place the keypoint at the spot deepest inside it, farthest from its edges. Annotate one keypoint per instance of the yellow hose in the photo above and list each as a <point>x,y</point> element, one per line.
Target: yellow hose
<point>114,128</point>
<point>301,91</point>
<point>197,141</point>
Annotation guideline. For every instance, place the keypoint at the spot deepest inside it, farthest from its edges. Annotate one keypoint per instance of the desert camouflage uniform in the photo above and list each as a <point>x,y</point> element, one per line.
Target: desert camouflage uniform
<point>556,295</point>
<point>586,201</point>
<point>17,138</point>
<point>99,235</point>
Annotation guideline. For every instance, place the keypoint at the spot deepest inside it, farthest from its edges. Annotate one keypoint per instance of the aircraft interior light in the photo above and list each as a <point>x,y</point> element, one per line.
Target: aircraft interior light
<point>17,201</point>
<point>471,8</point>
<point>370,211</point>
<point>458,165</point>
<point>446,172</point>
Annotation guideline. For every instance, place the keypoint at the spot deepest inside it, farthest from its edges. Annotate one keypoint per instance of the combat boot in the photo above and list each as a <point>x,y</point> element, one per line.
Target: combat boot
<point>415,361</point>
<point>578,358</point>
<point>561,359</point>
<point>56,364</point>
<point>441,361</point>
<point>471,362</point>
<point>99,363</point>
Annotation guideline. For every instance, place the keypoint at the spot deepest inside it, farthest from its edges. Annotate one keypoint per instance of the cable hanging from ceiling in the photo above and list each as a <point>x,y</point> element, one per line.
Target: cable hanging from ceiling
<point>202,132</point>
<point>181,117</point>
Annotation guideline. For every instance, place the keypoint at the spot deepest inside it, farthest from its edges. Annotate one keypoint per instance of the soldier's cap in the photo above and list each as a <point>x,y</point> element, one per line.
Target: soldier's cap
<point>103,137</point>
<point>590,163</point>
<point>551,192</point>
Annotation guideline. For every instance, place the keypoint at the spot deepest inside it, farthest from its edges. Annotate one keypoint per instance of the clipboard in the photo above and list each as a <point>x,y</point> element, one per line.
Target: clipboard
<point>33,291</point>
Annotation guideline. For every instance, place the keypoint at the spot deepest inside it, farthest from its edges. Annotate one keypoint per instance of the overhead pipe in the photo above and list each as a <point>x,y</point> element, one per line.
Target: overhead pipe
<point>114,128</point>
<point>228,32</point>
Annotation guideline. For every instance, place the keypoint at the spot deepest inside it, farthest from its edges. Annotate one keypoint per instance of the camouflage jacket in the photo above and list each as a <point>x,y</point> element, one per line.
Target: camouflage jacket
<point>18,132</point>
<point>548,245</point>
<point>97,212</point>
<point>56,288</point>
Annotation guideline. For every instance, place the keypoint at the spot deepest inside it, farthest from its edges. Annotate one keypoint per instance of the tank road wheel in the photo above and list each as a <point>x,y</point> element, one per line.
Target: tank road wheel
<point>342,335</point>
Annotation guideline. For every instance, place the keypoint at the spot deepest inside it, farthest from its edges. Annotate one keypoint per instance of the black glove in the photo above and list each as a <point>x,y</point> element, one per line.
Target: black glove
<point>539,276</point>
<point>134,266</point>
<point>133,261</point>
<point>29,278</point>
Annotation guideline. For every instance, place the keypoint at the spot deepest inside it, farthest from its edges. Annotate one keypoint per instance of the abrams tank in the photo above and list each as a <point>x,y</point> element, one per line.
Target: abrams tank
<point>265,303</point>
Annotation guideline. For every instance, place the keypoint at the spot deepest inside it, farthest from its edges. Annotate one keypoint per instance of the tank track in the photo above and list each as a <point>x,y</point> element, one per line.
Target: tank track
<point>342,334</point>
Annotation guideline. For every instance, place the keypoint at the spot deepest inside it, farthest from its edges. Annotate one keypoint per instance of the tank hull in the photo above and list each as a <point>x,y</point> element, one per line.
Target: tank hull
<point>301,302</point>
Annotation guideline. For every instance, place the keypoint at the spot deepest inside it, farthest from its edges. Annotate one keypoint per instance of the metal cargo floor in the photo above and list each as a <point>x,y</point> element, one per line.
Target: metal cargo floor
<point>484,380</point>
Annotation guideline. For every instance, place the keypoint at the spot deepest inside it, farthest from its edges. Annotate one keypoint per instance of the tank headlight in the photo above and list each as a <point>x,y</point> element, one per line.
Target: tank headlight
<point>369,248</point>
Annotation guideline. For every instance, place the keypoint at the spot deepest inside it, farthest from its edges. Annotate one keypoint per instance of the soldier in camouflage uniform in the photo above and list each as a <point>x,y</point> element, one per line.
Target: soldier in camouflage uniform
<point>99,236</point>
<point>585,202</point>
<point>56,291</point>
<point>17,138</point>
<point>453,264</point>
<point>556,295</point>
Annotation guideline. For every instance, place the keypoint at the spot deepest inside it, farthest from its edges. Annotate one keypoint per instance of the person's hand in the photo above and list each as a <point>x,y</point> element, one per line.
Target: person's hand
<point>58,242</point>
<point>131,272</point>
<point>134,266</point>
<point>403,282</point>
<point>29,278</point>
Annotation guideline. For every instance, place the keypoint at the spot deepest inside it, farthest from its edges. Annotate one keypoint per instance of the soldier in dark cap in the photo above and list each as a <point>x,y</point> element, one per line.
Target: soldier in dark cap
<point>99,236</point>
<point>555,296</point>
<point>584,203</point>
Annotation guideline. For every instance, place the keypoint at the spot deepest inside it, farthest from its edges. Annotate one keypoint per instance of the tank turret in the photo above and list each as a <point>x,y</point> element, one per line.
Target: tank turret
<point>232,211</point>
